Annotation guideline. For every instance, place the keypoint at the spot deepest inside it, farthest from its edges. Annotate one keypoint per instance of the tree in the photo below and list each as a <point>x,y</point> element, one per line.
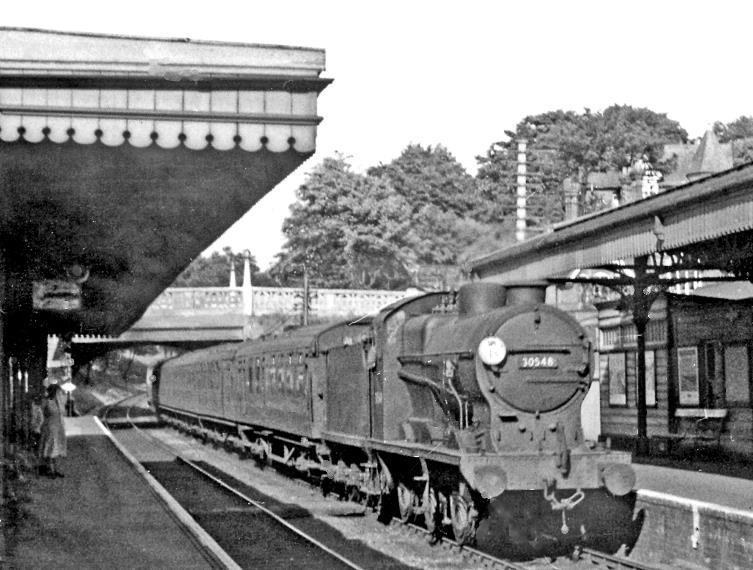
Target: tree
<point>740,133</point>
<point>565,144</point>
<point>348,229</point>
<point>443,202</point>
<point>429,176</point>
<point>214,270</point>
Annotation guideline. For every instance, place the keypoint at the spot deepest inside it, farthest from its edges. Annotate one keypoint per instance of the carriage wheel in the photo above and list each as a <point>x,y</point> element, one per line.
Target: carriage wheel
<point>386,507</point>
<point>406,499</point>
<point>463,516</point>
<point>325,484</point>
<point>430,506</point>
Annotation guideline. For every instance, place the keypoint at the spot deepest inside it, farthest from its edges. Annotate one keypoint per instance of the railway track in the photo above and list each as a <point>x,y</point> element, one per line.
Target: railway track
<point>584,558</point>
<point>252,534</point>
<point>251,509</point>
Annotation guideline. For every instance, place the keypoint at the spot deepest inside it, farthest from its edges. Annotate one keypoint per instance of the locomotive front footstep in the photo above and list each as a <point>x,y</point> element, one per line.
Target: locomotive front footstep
<point>457,410</point>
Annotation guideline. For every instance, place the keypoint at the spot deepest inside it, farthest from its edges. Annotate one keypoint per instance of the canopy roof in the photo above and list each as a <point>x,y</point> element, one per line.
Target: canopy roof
<point>129,156</point>
<point>694,214</point>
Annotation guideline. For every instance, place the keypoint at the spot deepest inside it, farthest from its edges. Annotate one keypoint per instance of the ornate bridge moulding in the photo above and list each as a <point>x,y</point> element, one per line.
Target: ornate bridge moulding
<point>129,156</point>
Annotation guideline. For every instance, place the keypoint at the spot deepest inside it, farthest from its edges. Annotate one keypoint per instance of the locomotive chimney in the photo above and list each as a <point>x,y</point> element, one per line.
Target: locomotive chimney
<point>480,297</point>
<point>524,293</point>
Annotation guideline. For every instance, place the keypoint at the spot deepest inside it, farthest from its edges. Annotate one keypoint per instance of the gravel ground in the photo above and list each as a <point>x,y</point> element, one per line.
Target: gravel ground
<point>350,519</point>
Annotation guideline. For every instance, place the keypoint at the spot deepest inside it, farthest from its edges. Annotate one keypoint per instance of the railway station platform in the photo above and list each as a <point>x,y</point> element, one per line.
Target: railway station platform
<point>105,514</point>
<point>102,514</point>
<point>693,519</point>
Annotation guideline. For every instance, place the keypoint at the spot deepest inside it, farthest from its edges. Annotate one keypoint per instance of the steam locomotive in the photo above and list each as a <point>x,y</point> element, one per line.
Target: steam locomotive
<point>460,410</point>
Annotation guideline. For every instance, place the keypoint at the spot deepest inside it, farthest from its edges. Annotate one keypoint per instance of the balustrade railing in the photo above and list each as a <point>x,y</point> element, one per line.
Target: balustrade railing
<point>270,300</point>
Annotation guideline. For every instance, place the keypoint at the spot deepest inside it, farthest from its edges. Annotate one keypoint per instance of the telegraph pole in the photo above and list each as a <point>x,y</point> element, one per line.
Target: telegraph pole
<point>520,222</point>
<point>305,295</point>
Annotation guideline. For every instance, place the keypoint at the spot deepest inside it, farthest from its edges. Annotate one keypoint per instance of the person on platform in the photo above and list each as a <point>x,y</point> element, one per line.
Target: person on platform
<point>52,443</point>
<point>37,419</point>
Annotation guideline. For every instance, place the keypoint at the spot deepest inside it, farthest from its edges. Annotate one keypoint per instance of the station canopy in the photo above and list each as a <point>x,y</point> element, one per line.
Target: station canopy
<point>123,158</point>
<point>705,227</point>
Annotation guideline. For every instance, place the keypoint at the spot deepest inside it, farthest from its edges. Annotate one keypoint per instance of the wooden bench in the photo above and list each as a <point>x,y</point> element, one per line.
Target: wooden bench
<point>698,425</point>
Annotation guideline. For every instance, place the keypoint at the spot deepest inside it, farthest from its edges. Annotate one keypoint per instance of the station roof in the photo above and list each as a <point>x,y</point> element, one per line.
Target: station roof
<point>716,206</point>
<point>36,53</point>
<point>123,158</point>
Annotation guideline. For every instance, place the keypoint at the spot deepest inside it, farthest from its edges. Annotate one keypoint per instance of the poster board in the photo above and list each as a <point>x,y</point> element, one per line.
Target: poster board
<point>650,378</point>
<point>617,380</point>
<point>687,375</point>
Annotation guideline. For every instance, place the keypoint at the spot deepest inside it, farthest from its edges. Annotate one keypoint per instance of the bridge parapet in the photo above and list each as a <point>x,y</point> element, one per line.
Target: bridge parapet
<point>191,299</point>
<point>325,303</point>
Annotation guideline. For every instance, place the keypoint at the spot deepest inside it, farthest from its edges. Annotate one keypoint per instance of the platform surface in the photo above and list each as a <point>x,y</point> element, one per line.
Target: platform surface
<point>729,492</point>
<point>102,514</point>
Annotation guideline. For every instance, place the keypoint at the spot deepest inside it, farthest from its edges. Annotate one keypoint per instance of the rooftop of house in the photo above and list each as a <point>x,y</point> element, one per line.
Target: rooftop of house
<point>698,159</point>
<point>604,180</point>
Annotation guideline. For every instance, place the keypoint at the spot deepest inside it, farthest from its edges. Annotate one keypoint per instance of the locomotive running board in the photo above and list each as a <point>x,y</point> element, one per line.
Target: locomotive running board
<point>406,448</point>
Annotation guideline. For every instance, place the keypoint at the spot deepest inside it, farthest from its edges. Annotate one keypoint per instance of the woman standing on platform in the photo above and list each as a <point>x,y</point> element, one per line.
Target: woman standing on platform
<point>52,443</point>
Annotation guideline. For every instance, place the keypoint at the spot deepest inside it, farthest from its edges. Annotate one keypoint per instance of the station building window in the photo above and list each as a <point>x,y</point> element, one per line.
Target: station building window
<point>687,376</point>
<point>617,379</point>
<point>737,374</point>
<point>712,375</point>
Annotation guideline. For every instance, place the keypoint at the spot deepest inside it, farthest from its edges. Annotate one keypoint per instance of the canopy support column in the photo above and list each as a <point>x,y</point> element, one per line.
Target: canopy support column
<point>641,306</point>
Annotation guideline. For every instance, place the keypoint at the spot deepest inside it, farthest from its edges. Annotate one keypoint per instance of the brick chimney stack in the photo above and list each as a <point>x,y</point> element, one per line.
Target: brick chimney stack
<point>572,193</point>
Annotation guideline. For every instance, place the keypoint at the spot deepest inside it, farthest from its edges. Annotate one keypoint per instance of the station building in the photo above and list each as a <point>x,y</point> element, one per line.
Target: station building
<point>698,381</point>
<point>648,255</point>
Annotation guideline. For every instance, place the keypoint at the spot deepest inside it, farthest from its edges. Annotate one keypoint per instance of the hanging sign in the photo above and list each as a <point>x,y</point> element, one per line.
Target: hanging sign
<point>56,295</point>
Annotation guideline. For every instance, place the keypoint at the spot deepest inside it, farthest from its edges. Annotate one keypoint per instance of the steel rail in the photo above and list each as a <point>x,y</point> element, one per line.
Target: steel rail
<point>596,558</point>
<point>614,562</point>
<point>487,560</point>
<point>244,497</point>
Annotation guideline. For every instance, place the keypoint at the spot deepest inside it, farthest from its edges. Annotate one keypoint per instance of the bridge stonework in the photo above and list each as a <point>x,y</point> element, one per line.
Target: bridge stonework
<point>199,316</point>
<point>325,303</point>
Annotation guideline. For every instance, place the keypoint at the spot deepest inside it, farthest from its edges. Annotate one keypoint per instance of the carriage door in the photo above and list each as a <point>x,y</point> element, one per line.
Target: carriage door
<point>348,401</point>
<point>376,387</point>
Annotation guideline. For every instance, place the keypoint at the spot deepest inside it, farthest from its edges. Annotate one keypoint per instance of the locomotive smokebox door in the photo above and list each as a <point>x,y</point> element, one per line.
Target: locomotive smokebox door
<point>544,364</point>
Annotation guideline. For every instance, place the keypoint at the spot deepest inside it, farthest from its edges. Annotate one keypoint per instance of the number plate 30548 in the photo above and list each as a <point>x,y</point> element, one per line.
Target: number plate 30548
<point>537,362</point>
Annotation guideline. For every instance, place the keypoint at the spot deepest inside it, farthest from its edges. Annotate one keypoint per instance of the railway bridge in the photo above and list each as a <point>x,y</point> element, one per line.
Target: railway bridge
<point>199,316</point>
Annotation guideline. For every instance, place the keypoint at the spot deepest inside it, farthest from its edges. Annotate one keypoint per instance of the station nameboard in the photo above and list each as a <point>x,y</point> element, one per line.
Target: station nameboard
<point>56,295</point>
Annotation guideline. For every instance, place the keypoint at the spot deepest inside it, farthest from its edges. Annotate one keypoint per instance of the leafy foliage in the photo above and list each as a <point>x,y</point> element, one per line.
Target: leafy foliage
<point>740,133</point>
<point>214,270</point>
<point>429,176</point>
<point>443,201</point>
<point>564,144</point>
<point>348,229</point>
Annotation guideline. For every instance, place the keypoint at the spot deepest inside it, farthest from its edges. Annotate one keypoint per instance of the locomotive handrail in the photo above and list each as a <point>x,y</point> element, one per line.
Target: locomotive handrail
<point>422,358</point>
<point>418,379</point>
<point>563,348</point>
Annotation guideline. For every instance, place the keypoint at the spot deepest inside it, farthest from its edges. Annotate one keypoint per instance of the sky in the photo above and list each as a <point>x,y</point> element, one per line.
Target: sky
<point>453,73</point>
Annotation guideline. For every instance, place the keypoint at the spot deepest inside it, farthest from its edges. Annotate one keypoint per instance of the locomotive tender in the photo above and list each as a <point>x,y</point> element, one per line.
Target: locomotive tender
<point>458,409</point>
